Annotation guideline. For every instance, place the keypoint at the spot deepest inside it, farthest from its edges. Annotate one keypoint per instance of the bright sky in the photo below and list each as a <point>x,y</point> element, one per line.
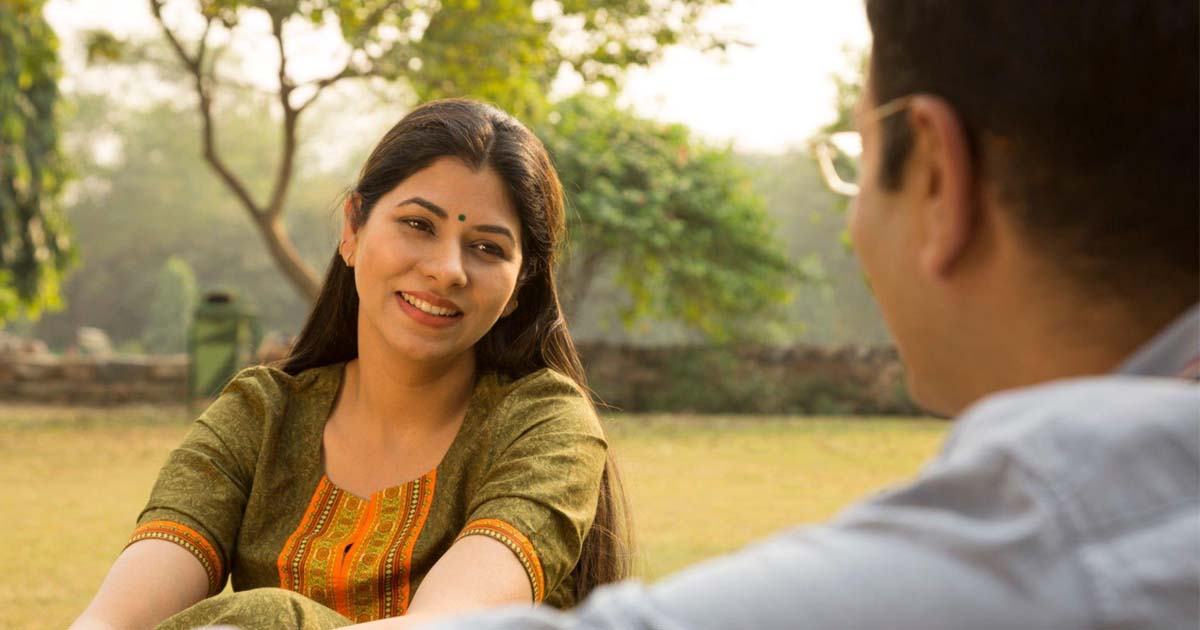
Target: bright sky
<point>768,96</point>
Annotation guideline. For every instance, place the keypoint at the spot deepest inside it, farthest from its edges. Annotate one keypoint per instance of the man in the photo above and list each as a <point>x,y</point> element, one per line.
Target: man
<point>1028,219</point>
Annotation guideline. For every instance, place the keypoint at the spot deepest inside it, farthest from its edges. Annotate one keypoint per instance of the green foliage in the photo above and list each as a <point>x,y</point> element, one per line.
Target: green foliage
<point>676,220</point>
<point>34,249</point>
<point>504,51</point>
<point>459,55</point>
<point>171,310</point>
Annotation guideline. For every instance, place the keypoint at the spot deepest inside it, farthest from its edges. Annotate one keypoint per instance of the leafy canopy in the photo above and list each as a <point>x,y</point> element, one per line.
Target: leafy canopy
<point>676,220</point>
<point>34,248</point>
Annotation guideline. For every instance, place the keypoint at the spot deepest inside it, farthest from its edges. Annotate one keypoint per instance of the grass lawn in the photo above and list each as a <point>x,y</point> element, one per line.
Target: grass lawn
<point>74,480</point>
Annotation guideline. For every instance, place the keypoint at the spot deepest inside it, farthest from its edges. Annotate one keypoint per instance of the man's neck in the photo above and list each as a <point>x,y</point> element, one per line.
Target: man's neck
<point>1036,340</point>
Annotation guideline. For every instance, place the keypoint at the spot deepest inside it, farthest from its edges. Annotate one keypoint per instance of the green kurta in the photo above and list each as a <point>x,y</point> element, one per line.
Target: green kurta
<point>246,493</point>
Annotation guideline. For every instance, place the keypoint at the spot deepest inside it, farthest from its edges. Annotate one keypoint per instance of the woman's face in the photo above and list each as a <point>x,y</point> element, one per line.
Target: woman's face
<point>436,263</point>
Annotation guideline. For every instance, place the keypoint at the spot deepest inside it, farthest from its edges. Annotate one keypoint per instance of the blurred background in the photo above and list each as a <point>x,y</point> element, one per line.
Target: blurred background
<point>153,153</point>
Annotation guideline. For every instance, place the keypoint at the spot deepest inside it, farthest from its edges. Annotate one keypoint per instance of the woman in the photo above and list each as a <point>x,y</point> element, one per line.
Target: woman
<point>427,447</point>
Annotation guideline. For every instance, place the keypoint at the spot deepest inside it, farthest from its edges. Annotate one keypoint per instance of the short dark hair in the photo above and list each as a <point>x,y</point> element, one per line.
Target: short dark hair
<point>1085,115</point>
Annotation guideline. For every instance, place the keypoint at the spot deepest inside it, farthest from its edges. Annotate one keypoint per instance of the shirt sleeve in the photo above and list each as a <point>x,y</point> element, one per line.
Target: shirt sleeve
<point>201,492</point>
<point>539,494</point>
<point>964,547</point>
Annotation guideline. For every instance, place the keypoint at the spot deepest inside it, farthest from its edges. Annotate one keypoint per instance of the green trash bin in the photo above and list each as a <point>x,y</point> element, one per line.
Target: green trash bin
<point>221,341</point>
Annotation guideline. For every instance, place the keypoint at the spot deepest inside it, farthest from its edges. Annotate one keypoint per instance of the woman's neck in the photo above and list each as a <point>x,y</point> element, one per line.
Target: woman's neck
<point>390,393</point>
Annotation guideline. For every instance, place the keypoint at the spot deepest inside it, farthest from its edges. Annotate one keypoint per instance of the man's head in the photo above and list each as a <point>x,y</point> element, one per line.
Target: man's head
<point>1041,173</point>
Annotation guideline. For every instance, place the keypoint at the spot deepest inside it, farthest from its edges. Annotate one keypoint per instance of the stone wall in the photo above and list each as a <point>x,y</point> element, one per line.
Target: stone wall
<point>86,380</point>
<point>796,380</point>
<point>748,379</point>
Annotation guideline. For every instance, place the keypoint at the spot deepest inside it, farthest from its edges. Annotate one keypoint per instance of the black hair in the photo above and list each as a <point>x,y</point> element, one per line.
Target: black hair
<point>1084,115</point>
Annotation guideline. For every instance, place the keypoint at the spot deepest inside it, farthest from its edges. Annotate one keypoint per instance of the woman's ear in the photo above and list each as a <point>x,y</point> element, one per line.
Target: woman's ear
<point>349,237</point>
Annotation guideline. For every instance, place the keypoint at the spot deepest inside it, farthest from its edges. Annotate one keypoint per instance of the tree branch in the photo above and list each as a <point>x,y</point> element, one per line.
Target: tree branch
<point>287,158</point>
<point>202,48</point>
<point>208,133</point>
<point>192,64</point>
<point>284,253</point>
<point>348,71</point>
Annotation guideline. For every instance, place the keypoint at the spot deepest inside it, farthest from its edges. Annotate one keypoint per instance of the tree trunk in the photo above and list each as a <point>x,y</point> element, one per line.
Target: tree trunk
<point>301,275</point>
<point>267,218</point>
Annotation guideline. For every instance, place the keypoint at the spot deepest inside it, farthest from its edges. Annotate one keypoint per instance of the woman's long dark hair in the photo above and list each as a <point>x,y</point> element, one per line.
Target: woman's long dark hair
<point>532,337</point>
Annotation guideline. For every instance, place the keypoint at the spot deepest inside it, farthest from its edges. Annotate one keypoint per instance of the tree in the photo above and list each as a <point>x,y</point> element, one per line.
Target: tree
<point>507,51</point>
<point>34,249</point>
<point>153,197</point>
<point>171,310</point>
<point>675,220</point>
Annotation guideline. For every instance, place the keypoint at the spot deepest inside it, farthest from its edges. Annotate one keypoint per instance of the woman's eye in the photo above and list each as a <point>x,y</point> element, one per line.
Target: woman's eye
<point>489,248</point>
<point>418,224</point>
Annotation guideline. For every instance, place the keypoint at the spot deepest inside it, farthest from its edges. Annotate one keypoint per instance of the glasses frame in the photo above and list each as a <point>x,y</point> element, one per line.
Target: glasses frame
<point>825,151</point>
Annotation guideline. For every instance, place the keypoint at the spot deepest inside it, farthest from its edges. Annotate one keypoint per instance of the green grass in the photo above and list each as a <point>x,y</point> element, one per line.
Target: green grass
<point>75,479</point>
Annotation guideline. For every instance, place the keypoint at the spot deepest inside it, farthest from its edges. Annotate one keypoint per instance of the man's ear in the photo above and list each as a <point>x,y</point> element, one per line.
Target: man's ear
<point>349,236</point>
<point>946,184</point>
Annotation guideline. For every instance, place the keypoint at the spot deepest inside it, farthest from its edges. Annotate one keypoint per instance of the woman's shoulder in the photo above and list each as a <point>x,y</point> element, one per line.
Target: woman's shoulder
<point>272,380</point>
<point>267,390</point>
<point>543,382</point>
<point>545,396</point>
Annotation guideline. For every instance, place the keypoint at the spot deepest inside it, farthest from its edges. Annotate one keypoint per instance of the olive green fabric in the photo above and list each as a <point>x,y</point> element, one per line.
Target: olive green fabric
<point>530,453</point>
<point>258,609</point>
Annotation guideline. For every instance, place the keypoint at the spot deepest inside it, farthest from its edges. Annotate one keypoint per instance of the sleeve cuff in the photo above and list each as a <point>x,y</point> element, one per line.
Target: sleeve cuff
<point>190,540</point>
<point>512,538</point>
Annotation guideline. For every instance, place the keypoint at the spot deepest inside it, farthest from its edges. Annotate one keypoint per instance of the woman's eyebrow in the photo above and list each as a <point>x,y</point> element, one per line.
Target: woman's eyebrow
<point>427,204</point>
<point>497,229</point>
<point>436,209</point>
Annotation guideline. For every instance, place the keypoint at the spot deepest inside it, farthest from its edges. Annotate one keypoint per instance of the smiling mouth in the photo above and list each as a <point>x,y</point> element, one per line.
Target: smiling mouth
<point>426,307</point>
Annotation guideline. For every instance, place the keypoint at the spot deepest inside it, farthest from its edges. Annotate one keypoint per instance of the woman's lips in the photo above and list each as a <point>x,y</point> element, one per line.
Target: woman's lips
<point>422,317</point>
<point>431,300</point>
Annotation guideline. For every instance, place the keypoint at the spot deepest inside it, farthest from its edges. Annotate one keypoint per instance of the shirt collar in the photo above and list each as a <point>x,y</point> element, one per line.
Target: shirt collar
<point>1173,352</point>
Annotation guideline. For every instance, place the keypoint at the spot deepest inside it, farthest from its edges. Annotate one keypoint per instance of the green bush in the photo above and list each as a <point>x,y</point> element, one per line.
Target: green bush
<point>171,310</point>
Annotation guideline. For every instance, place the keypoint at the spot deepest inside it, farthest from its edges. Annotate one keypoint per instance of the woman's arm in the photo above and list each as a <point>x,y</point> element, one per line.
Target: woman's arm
<point>527,520</point>
<point>476,572</point>
<point>150,581</point>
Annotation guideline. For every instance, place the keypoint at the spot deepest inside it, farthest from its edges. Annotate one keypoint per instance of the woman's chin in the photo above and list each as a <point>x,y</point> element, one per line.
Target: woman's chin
<point>425,350</point>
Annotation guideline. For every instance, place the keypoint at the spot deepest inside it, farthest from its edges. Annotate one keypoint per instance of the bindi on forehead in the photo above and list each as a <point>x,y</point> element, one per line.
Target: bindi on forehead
<point>462,217</point>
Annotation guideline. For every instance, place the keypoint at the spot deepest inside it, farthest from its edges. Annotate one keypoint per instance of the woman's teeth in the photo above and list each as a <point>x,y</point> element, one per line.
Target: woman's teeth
<point>427,307</point>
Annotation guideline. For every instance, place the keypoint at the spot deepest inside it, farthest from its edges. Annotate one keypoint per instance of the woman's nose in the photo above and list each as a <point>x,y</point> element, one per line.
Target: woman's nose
<point>444,265</point>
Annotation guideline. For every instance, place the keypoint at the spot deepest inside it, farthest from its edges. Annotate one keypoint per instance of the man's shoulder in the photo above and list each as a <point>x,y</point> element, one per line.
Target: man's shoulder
<point>1112,452</point>
<point>1091,411</point>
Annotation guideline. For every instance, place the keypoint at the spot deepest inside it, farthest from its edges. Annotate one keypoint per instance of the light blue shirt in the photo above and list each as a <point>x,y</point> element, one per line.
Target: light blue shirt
<point>1073,504</point>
